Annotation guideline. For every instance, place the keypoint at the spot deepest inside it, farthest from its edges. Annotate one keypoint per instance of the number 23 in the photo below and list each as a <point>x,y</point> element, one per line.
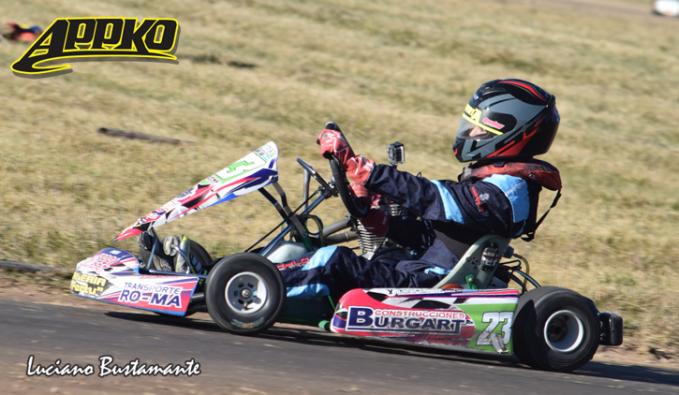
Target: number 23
<point>494,319</point>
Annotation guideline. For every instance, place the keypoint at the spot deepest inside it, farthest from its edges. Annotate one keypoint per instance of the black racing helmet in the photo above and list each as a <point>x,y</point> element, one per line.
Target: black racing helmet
<point>506,119</point>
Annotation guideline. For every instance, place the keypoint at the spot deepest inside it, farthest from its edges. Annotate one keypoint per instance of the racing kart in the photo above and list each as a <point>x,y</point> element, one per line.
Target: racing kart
<point>487,303</point>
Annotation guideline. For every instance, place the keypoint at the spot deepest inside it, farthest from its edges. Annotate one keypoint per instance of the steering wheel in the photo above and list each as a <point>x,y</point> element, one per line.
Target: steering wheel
<point>355,206</point>
<point>313,173</point>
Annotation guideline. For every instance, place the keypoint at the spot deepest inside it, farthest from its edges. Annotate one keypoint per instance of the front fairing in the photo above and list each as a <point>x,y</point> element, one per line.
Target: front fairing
<point>254,171</point>
<point>113,276</point>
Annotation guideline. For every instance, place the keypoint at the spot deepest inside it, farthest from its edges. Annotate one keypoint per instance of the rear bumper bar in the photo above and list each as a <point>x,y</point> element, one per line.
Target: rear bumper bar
<point>611,329</point>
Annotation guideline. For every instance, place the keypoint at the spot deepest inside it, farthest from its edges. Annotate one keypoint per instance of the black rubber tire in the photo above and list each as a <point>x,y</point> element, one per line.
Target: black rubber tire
<point>524,316</point>
<point>227,317</point>
<point>199,252</point>
<point>534,309</point>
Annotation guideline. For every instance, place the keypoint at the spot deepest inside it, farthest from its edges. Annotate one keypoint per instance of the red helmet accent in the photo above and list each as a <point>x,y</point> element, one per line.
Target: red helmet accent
<point>527,86</point>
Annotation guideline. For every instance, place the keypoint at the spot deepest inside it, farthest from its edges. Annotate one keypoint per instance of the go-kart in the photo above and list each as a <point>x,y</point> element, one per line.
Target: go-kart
<point>471,308</point>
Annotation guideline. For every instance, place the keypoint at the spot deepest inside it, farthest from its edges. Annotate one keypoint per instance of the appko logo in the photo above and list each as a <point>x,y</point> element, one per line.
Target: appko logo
<point>92,38</point>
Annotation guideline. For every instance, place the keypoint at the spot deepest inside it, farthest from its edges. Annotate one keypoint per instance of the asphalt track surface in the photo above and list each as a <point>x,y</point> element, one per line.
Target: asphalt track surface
<point>282,360</point>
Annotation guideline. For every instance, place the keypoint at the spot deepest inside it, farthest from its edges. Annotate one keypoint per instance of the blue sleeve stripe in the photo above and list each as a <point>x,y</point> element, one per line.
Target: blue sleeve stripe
<point>450,206</point>
<point>307,291</point>
<point>516,191</point>
<point>436,270</point>
<point>320,258</point>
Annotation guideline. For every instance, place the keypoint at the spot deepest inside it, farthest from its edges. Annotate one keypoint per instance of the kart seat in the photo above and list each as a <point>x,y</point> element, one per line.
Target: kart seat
<point>476,267</point>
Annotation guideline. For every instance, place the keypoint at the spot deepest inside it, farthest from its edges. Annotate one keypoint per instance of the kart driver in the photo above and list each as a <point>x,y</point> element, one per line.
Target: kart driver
<point>504,125</point>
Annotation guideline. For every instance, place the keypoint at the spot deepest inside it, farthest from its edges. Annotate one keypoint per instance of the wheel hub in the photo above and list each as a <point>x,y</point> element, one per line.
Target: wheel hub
<point>564,331</point>
<point>246,293</point>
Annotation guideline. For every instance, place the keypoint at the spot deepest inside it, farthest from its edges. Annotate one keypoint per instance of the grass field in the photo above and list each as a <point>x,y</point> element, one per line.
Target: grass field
<point>384,70</point>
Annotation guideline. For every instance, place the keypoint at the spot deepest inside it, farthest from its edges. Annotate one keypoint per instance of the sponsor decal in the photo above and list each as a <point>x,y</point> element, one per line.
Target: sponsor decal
<point>106,260</point>
<point>236,165</point>
<point>493,124</point>
<point>87,284</point>
<point>413,321</point>
<point>473,115</point>
<point>93,38</point>
<point>102,261</point>
<point>301,262</point>
<point>151,294</point>
<point>234,170</point>
<point>266,152</point>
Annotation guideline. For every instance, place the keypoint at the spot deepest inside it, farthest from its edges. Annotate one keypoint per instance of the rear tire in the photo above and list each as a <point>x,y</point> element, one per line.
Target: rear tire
<point>555,329</point>
<point>244,293</point>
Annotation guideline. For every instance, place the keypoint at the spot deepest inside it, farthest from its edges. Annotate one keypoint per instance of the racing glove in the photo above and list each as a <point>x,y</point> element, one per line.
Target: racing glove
<point>358,168</point>
<point>334,143</point>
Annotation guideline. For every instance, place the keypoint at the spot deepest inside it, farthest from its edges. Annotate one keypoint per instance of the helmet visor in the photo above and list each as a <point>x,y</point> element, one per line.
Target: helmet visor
<point>469,130</point>
<point>477,124</point>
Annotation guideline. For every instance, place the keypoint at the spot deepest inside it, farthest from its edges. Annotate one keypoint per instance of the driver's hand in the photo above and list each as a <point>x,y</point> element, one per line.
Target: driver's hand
<point>358,169</point>
<point>334,143</point>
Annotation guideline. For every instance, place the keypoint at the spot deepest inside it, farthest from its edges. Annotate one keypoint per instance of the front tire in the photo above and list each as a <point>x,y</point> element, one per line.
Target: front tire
<point>555,329</point>
<point>244,293</point>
